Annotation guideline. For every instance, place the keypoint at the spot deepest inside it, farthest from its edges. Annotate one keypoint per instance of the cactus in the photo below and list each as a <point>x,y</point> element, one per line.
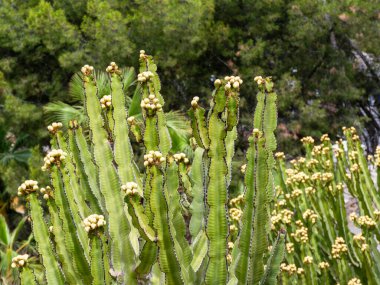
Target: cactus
<point>110,221</point>
<point>325,241</point>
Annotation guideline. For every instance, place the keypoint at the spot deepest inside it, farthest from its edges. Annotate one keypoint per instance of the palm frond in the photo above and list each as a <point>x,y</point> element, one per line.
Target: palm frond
<point>134,105</point>
<point>177,121</point>
<point>128,77</point>
<point>21,141</point>
<point>179,129</point>
<point>76,89</point>
<point>21,156</point>
<point>64,113</point>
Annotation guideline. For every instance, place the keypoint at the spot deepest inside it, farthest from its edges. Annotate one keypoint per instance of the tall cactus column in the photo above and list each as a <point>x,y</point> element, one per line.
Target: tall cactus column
<point>222,118</point>
<point>157,143</point>
<point>123,257</point>
<point>258,189</point>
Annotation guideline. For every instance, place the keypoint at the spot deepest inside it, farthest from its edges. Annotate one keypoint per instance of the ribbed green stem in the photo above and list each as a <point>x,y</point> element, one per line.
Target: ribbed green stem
<point>259,240</point>
<point>97,265</point>
<point>89,167</point>
<point>177,223</point>
<point>70,232</point>
<point>122,149</point>
<point>27,277</point>
<point>150,134</point>
<point>217,228</point>
<point>197,208</point>
<point>121,248</point>
<point>80,174</point>
<point>245,238</point>
<point>64,256</point>
<point>274,261</point>
<point>139,219</point>
<point>367,176</point>
<point>148,257</point>
<point>54,275</point>
<point>167,255</point>
<point>198,124</point>
<point>75,196</point>
<point>123,152</point>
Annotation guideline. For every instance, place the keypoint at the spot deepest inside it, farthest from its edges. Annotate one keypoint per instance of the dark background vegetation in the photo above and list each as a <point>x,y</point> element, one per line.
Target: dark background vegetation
<point>324,57</point>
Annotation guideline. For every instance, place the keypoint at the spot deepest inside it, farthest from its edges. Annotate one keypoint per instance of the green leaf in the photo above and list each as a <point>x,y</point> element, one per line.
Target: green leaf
<point>4,232</point>
<point>16,231</point>
<point>134,107</point>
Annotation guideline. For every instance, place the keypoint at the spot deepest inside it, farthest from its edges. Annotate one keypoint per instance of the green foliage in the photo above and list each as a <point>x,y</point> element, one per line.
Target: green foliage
<point>8,245</point>
<point>314,51</point>
<point>110,223</point>
<point>17,142</point>
<point>328,203</point>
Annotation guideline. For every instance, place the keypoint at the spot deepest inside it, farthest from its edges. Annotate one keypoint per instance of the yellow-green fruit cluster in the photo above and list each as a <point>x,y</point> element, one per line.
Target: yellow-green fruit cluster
<point>55,156</point>
<point>54,127</point>
<point>232,82</point>
<point>181,157</point>
<point>113,68</point>
<point>153,158</point>
<point>131,120</point>
<point>145,76</point>
<point>354,281</point>
<point>87,70</point>
<point>46,192</point>
<point>194,102</point>
<point>151,103</point>
<point>339,247</point>
<point>29,186</point>
<point>106,101</point>
<point>19,261</point>
<point>130,188</point>
<point>93,222</point>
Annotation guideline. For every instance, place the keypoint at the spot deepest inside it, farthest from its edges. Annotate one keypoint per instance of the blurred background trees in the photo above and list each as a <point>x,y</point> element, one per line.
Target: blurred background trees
<point>323,55</point>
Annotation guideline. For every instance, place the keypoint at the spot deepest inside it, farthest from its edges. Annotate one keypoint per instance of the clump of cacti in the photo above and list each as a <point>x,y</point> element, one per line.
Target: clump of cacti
<point>111,222</point>
<point>329,242</point>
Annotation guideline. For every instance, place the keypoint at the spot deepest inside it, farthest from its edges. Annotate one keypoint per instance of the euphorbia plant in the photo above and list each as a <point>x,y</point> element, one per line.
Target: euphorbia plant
<point>110,221</point>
